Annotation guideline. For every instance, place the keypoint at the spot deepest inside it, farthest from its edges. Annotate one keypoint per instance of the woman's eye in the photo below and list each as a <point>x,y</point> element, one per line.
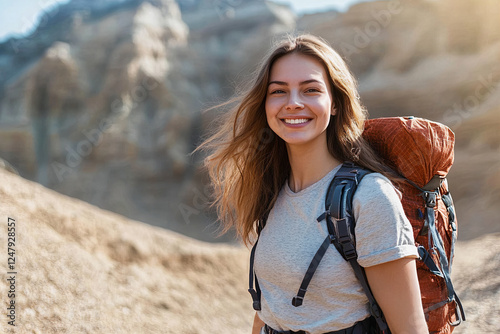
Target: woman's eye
<point>312,90</point>
<point>277,91</point>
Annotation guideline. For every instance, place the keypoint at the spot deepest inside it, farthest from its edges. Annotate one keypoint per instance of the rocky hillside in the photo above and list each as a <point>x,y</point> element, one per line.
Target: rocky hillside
<point>103,102</point>
<point>81,269</point>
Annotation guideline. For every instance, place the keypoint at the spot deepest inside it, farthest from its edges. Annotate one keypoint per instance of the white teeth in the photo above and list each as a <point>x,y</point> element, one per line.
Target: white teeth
<point>296,121</point>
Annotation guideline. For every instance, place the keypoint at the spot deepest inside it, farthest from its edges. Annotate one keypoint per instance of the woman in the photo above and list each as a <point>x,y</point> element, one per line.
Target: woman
<point>283,141</point>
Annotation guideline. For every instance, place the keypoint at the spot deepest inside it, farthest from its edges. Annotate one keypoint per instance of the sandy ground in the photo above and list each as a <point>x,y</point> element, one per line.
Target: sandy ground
<point>85,270</point>
<point>81,269</point>
<point>476,275</point>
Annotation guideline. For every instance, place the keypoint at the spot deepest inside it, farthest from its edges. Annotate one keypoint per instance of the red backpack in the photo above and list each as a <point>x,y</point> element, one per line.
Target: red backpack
<point>421,152</point>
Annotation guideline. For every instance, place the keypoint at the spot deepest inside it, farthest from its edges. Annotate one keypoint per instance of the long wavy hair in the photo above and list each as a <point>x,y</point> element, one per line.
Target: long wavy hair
<point>248,164</point>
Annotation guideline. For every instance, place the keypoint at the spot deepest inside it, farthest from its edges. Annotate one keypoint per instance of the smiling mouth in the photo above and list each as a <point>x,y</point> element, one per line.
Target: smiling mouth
<point>296,120</point>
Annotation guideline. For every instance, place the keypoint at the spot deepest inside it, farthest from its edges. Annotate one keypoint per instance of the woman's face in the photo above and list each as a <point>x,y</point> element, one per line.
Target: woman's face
<point>299,100</point>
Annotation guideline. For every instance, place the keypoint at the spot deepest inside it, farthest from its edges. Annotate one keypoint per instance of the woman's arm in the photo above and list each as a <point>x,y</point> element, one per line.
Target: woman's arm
<point>395,287</point>
<point>257,324</point>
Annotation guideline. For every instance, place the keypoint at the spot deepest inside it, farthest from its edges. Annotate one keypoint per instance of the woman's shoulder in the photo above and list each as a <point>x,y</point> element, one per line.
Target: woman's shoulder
<point>375,178</point>
<point>377,186</point>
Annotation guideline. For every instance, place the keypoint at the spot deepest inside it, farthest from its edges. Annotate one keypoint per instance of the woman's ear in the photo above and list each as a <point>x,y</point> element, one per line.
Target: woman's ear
<point>334,110</point>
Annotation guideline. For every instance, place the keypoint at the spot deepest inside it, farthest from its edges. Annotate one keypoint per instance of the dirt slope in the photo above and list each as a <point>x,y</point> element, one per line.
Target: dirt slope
<point>81,269</point>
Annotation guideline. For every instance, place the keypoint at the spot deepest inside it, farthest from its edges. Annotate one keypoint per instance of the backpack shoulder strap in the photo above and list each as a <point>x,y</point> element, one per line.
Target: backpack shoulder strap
<point>340,192</point>
<point>338,205</point>
<point>255,291</point>
<point>340,222</point>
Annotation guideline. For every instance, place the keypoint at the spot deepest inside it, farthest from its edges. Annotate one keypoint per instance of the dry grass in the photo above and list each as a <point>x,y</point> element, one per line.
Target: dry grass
<point>86,270</point>
<point>81,269</point>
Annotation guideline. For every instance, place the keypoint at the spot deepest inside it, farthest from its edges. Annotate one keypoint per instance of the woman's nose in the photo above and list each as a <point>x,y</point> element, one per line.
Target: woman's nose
<point>294,102</point>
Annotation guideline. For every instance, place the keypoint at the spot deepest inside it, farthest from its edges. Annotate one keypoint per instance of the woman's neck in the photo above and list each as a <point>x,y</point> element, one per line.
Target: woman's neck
<point>309,165</point>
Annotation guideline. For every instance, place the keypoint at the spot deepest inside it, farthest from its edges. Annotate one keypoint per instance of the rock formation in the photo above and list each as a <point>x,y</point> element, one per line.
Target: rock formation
<point>104,100</point>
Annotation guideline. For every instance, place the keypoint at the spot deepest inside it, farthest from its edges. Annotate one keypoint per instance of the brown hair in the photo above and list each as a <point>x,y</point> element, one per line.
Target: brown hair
<point>249,164</point>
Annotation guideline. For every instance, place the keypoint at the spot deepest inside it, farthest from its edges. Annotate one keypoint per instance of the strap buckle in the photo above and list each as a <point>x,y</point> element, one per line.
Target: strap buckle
<point>459,311</point>
<point>256,299</point>
<point>375,310</point>
<point>349,251</point>
<point>430,198</point>
<point>297,301</point>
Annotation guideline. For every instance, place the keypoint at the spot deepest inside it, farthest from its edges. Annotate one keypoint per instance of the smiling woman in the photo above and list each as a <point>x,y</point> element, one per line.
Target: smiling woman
<point>305,95</point>
<point>299,103</point>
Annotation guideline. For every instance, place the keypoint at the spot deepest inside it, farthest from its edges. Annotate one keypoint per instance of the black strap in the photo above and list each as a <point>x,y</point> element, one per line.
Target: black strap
<point>364,326</point>
<point>340,223</point>
<point>297,300</point>
<point>375,310</point>
<point>269,330</point>
<point>334,202</point>
<point>255,292</point>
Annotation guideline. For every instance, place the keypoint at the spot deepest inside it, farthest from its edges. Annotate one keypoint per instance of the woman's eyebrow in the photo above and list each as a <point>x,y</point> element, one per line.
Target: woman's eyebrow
<point>282,83</point>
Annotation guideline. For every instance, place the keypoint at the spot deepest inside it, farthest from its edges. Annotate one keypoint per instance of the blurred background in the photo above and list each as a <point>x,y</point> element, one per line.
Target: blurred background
<point>104,100</point>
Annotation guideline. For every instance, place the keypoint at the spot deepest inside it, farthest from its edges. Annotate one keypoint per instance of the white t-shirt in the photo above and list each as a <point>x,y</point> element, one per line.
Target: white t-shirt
<point>292,235</point>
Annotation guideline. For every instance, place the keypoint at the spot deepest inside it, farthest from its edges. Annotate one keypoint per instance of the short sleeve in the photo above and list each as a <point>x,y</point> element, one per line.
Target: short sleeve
<point>383,233</point>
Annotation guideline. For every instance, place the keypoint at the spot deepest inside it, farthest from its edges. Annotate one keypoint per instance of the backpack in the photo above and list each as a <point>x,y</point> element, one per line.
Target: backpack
<point>421,152</point>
